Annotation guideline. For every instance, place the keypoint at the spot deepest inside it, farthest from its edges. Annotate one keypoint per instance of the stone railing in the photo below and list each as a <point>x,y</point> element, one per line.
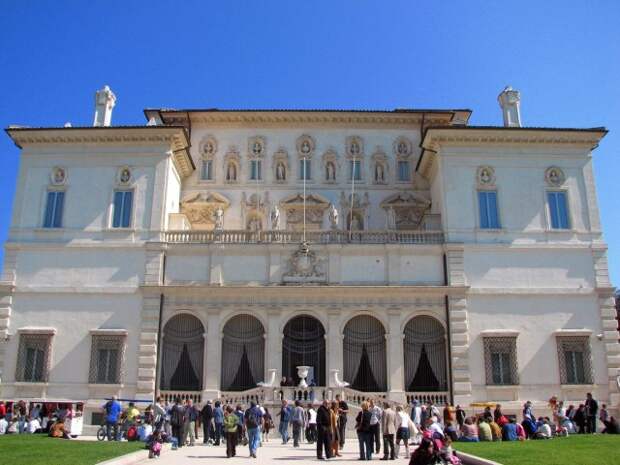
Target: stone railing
<point>293,393</point>
<point>357,397</point>
<point>436,397</point>
<point>243,397</point>
<point>296,237</point>
<point>170,396</point>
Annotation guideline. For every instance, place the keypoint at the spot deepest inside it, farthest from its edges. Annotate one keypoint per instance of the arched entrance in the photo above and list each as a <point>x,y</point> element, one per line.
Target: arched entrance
<point>365,354</point>
<point>425,355</point>
<point>182,354</point>
<point>243,353</point>
<point>304,344</point>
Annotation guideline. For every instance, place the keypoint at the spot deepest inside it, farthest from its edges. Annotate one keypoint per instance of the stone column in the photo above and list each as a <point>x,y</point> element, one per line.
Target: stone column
<point>213,360</point>
<point>273,348</point>
<point>334,346</point>
<point>396,357</point>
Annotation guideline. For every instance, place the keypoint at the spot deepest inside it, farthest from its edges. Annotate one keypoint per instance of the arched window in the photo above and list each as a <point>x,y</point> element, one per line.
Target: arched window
<point>304,344</point>
<point>182,354</point>
<point>365,354</point>
<point>425,355</point>
<point>243,353</point>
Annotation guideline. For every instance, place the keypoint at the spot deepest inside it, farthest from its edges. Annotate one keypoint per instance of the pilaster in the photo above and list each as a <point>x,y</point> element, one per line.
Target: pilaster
<point>147,353</point>
<point>273,352</point>
<point>213,362</point>
<point>395,349</point>
<point>334,343</point>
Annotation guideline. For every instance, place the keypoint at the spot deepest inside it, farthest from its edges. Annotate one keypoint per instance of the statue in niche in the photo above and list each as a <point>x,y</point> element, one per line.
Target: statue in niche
<point>355,223</point>
<point>355,148</point>
<point>255,224</point>
<point>219,218</point>
<point>257,148</point>
<point>209,148</point>
<point>379,173</point>
<point>231,172</point>
<point>280,172</point>
<point>333,216</point>
<point>330,171</point>
<point>391,218</point>
<point>275,218</point>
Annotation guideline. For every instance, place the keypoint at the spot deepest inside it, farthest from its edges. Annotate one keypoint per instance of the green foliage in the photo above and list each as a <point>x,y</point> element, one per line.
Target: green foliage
<point>577,449</point>
<point>28,449</point>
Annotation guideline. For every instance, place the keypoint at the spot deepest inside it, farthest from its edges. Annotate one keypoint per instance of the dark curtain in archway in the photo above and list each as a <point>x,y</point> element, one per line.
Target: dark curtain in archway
<point>304,344</point>
<point>243,353</point>
<point>425,355</point>
<point>365,360</point>
<point>182,354</point>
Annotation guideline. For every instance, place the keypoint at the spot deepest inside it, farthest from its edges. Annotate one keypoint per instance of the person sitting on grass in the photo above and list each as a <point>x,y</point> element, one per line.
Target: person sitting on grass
<point>544,429</point>
<point>509,431</point>
<point>496,430</point>
<point>469,431</point>
<point>580,419</point>
<point>484,429</point>
<point>611,426</point>
<point>34,426</point>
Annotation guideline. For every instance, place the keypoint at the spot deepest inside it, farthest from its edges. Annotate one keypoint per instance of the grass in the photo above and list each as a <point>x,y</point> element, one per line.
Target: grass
<point>28,449</point>
<point>576,449</point>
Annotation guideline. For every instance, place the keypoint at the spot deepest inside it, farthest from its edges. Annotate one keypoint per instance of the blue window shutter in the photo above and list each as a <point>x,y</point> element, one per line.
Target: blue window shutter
<point>49,210</point>
<point>118,206</point>
<point>553,209</point>
<point>562,210</point>
<point>127,204</point>
<point>59,204</point>
<point>492,209</point>
<point>484,214</point>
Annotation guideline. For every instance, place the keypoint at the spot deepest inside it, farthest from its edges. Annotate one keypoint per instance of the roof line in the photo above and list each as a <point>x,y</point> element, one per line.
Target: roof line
<point>302,110</point>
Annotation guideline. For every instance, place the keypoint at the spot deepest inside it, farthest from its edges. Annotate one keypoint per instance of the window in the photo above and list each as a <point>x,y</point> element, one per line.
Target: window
<point>404,174</point>
<point>574,358</point>
<point>304,169</point>
<point>487,206</point>
<point>33,358</point>
<point>255,170</point>
<point>558,210</point>
<point>355,171</point>
<point>53,209</point>
<point>207,170</point>
<point>106,359</point>
<point>122,209</point>
<point>500,360</point>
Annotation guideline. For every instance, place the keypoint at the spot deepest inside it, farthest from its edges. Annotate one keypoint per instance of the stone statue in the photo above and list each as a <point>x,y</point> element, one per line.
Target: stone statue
<point>485,176</point>
<point>391,218</point>
<point>333,217</point>
<point>379,173</point>
<point>219,218</point>
<point>275,218</point>
<point>355,223</point>
<point>255,224</point>
<point>231,172</point>
<point>330,171</point>
<point>280,172</point>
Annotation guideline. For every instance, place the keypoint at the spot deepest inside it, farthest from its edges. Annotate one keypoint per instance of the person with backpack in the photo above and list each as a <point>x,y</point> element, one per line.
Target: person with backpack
<point>177,420</point>
<point>285,417</point>
<point>206,415</point>
<point>218,422</point>
<point>253,422</point>
<point>112,410</point>
<point>298,419</point>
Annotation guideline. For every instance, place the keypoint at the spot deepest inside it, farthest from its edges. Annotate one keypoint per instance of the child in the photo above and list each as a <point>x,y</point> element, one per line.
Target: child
<point>154,444</point>
<point>447,454</point>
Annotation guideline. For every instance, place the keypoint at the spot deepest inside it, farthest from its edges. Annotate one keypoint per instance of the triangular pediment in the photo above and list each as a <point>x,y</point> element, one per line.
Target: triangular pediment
<point>406,199</point>
<point>206,198</point>
<point>312,201</point>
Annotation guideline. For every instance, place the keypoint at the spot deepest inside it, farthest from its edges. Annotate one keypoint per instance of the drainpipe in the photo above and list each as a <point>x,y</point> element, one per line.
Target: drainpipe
<point>447,305</point>
<point>161,312</point>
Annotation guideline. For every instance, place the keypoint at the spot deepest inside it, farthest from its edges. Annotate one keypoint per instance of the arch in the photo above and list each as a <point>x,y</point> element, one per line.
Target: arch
<point>182,353</point>
<point>425,355</point>
<point>243,353</point>
<point>364,354</point>
<point>303,343</point>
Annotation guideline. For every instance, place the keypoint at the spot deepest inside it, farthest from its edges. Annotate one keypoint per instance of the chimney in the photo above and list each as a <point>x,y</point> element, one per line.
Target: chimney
<point>104,103</point>
<point>509,100</point>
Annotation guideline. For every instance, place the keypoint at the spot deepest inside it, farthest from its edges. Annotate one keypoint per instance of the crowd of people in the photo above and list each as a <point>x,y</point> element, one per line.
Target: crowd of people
<point>382,427</point>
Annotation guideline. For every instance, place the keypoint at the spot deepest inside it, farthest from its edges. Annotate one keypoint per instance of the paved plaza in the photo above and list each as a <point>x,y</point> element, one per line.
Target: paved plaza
<point>272,452</point>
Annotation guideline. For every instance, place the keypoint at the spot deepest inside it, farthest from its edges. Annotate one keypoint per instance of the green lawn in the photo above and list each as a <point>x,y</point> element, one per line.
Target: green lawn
<point>600,449</point>
<point>27,449</point>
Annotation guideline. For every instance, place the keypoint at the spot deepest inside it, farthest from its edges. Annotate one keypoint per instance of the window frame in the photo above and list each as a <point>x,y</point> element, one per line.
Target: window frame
<point>490,346</point>
<point>132,191</point>
<point>55,192</point>
<point>569,219</point>
<point>398,171</point>
<point>498,226</point>
<point>306,169</point>
<point>352,164</point>
<point>204,163</point>
<point>259,164</point>
<point>34,340</point>
<point>587,365</point>
<point>104,341</point>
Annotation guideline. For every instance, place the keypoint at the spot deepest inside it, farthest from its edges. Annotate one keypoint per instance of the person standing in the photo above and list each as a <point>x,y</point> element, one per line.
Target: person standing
<point>388,426</point>
<point>343,410</point>
<point>402,430</point>
<point>460,416</point>
<point>177,420</point>
<point>230,430</point>
<point>311,418</point>
<point>112,410</point>
<point>364,432</point>
<point>285,417</point>
<point>591,412</point>
<point>253,421</point>
<point>375,424</point>
<point>333,414</point>
<point>298,422</point>
<point>267,425</point>
<point>218,422</point>
<point>189,423</point>
<point>323,424</point>
<point>206,415</point>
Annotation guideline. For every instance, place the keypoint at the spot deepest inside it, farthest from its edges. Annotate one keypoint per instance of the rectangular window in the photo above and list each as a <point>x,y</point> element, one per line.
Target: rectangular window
<point>500,357</point>
<point>106,359</point>
<point>574,358</point>
<point>207,170</point>
<point>558,210</point>
<point>53,209</point>
<point>32,358</point>
<point>355,170</point>
<point>121,217</point>
<point>487,205</point>
<point>404,173</point>
<point>304,169</point>
<point>255,170</point>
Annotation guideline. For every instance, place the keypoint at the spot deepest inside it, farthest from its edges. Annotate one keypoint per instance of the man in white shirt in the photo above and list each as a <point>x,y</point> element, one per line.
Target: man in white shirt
<point>311,418</point>
<point>434,426</point>
<point>34,425</point>
<point>375,424</point>
<point>4,425</point>
<point>416,414</point>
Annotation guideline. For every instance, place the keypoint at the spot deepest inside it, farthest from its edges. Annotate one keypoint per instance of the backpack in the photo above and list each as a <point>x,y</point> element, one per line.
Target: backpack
<point>176,417</point>
<point>132,433</point>
<point>251,419</point>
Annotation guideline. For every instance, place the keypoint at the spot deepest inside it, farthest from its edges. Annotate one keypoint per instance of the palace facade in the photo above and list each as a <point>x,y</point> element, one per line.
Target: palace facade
<point>402,253</point>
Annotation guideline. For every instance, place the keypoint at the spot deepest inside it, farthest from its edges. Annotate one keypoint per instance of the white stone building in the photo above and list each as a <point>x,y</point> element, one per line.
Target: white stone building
<point>444,261</point>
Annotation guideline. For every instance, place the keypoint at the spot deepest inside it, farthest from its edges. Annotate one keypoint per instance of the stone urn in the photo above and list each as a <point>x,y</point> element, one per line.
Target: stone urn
<point>302,372</point>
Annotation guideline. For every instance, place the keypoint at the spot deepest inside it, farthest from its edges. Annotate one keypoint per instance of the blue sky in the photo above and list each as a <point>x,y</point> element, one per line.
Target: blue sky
<point>563,56</point>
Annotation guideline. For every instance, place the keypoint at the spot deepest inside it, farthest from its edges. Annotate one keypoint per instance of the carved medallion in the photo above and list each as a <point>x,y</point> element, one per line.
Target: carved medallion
<point>305,266</point>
